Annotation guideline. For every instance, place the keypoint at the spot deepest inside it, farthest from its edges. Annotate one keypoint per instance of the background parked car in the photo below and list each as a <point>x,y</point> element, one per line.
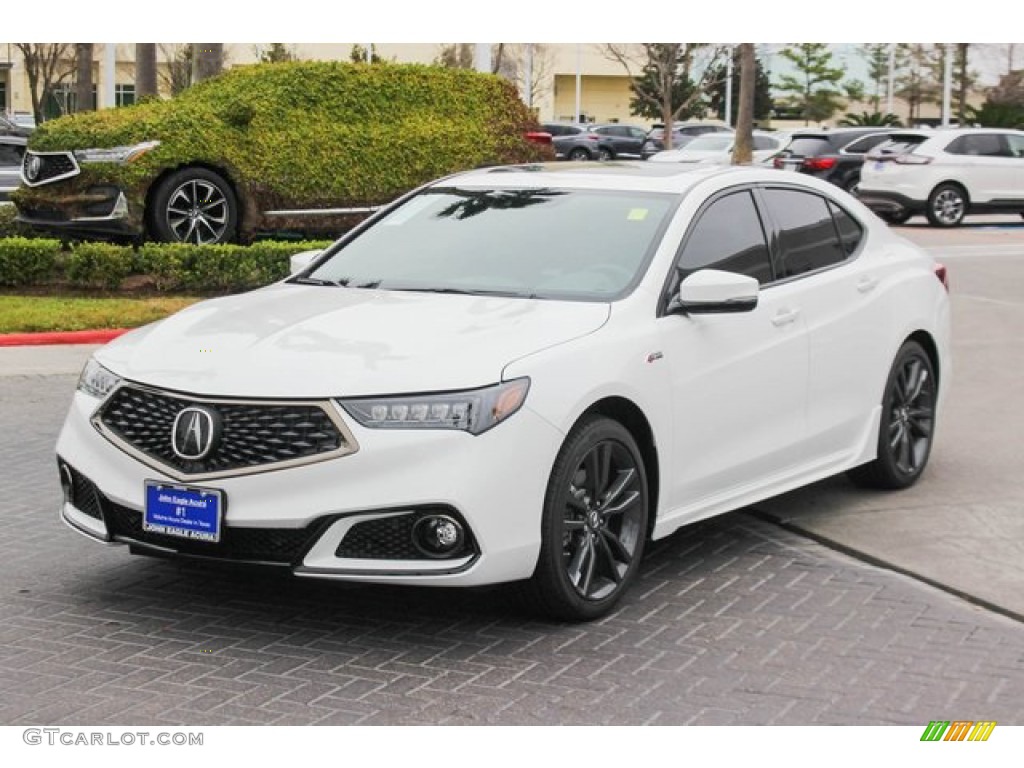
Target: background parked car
<point>945,175</point>
<point>308,146</point>
<point>13,139</point>
<point>617,140</point>
<point>717,148</point>
<point>833,155</point>
<point>573,142</point>
<point>681,134</point>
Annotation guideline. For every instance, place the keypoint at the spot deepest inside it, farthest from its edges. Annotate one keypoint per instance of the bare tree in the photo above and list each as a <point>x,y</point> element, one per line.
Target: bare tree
<point>743,153</point>
<point>178,73</point>
<point>47,65</point>
<point>207,61</point>
<point>145,70</point>
<point>84,101</point>
<point>529,66</point>
<point>670,81</point>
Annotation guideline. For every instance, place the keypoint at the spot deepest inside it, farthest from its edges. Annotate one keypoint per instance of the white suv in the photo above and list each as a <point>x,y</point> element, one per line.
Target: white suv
<point>945,175</point>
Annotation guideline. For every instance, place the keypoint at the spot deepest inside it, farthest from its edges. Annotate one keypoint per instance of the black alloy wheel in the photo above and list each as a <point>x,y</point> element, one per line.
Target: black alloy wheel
<point>594,525</point>
<point>603,153</point>
<point>194,205</point>
<point>908,423</point>
<point>579,153</point>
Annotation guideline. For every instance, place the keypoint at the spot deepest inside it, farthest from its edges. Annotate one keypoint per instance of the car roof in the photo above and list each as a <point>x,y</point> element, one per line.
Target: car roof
<point>634,176</point>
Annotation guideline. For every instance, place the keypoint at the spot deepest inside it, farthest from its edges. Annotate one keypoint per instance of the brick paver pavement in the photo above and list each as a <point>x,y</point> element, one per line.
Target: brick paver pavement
<point>733,621</point>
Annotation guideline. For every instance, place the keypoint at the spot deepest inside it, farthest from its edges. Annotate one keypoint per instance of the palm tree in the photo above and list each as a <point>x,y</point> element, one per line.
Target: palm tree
<point>887,119</point>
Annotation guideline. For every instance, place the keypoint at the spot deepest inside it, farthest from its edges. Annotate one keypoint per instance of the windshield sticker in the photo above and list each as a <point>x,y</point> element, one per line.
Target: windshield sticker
<point>637,214</point>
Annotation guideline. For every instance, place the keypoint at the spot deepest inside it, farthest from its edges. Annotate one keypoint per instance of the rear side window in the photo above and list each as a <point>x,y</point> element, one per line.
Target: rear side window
<point>850,232</point>
<point>981,144</point>
<point>808,237</point>
<point>765,142</point>
<point>728,236</point>
<point>862,145</point>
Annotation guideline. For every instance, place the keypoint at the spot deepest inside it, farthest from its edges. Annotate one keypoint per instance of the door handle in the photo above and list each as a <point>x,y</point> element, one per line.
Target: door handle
<point>785,317</point>
<point>867,284</point>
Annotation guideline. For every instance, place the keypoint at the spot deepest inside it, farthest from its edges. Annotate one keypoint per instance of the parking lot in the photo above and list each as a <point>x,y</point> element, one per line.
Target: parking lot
<point>829,605</point>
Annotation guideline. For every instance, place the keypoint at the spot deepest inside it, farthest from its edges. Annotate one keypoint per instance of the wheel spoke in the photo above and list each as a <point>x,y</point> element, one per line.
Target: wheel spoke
<point>916,375</point>
<point>572,525</point>
<point>894,439</point>
<point>627,501</point>
<point>588,571</point>
<point>625,478</point>
<point>616,547</point>
<point>905,458</point>
<point>613,566</point>
<point>190,232</point>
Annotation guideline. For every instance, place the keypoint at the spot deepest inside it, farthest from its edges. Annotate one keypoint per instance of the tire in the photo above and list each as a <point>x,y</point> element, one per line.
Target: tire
<point>579,153</point>
<point>895,218</point>
<point>603,153</point>
<point>908,423</point>
<point>594,524</point>
<point>947,205</point>
<point>193,205</point>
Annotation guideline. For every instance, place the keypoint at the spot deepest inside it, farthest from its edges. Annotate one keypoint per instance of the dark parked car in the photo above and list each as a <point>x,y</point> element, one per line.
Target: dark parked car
<point>619,140</point>
<point>573,142</point>
<point>833,155</point>
<point>682,133</point>
<point>13,138</point>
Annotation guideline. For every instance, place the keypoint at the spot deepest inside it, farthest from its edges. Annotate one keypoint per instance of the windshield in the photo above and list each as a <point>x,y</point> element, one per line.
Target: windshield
<point>539,243</point>
<point>710,143</point>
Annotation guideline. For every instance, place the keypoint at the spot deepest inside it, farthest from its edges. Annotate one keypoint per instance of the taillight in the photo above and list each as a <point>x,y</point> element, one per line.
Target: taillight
<point>593,136</point>
<point>538,137</point>
<point>911,159</point>
<point>940,272</point>
<point>819,163</point>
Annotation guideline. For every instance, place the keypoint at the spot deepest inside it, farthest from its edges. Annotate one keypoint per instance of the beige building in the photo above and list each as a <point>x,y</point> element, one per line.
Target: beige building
<point>547,79</point>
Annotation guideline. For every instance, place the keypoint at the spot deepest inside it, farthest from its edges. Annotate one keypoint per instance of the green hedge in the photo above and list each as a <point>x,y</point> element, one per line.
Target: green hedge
<point>210,269</point>
<point>9,227</point>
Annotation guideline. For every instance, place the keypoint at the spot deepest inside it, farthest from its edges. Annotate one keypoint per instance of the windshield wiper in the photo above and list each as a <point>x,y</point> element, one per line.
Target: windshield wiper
<point>306,280</point>
<point>471,292</point>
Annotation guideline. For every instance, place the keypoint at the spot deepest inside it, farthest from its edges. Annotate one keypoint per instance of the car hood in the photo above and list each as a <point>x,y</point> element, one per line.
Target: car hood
<point>313,341</point>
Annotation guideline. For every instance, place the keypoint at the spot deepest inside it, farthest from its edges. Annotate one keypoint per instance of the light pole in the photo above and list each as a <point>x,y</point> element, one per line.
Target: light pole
<point>947,82</point>
<point>892,75</point>
<point>579,84</point>
<point>728,85</point>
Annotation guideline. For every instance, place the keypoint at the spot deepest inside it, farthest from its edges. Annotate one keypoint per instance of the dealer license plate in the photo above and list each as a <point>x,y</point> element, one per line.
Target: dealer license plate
<point>191,513</point>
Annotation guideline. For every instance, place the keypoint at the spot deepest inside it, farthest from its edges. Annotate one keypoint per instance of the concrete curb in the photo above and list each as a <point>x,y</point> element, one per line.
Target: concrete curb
<point>60,337</point>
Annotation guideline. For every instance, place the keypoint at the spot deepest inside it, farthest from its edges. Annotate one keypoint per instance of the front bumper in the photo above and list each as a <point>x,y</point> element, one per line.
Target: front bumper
<point>100,212</point>
<point>303,516</point>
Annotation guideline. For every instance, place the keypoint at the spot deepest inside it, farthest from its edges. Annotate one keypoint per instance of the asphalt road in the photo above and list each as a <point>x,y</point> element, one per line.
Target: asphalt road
<point>738,620</point>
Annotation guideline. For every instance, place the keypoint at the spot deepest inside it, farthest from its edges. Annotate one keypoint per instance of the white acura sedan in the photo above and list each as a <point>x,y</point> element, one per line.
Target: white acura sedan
<point>521,375</point>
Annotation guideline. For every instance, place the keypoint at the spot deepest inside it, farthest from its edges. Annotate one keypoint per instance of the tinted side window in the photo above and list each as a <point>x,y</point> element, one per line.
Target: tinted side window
<point>983,144</point>
<point>1016,144</point>
<point>809,146</point>
<point>765,142</point>
<point>728,236</point>
<point>850,232</point>
<point>860,146</point>
<point>807,235</point>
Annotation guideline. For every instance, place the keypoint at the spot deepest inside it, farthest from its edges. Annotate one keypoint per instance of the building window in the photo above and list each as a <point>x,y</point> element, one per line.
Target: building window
<point>124,94</point>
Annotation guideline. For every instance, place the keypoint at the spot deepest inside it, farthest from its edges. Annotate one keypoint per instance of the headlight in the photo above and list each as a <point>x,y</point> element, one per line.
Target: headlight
<point>97,380</point>
<point>472,411</point>
<point>115,154</point>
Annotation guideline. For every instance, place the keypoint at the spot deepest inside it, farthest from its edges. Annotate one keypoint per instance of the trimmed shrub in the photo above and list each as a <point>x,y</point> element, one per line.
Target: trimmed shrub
<point>208,269</point>
<point>305,134</point>
<point>28,261</point>
<point>9,227</point>
<point>98,265</point>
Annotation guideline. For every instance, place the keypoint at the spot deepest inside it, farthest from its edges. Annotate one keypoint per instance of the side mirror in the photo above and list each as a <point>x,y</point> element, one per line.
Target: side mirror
<point>302,260</point>
<point>712,291</point>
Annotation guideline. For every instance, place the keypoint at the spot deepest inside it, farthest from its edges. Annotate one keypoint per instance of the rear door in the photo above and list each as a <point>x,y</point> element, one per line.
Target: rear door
<point>982,163</point>
<point>821,253</point>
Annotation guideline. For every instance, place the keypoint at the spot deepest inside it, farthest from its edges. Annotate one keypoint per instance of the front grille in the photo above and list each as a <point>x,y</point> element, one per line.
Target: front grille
<point>390,538</point>
<point>254,435</point>
<point>51,166</point>
<point>282,546</point>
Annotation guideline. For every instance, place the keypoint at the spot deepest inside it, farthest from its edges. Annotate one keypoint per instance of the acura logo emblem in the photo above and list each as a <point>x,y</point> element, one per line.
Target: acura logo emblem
<point>196,433</point>
<point>32,165</point>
